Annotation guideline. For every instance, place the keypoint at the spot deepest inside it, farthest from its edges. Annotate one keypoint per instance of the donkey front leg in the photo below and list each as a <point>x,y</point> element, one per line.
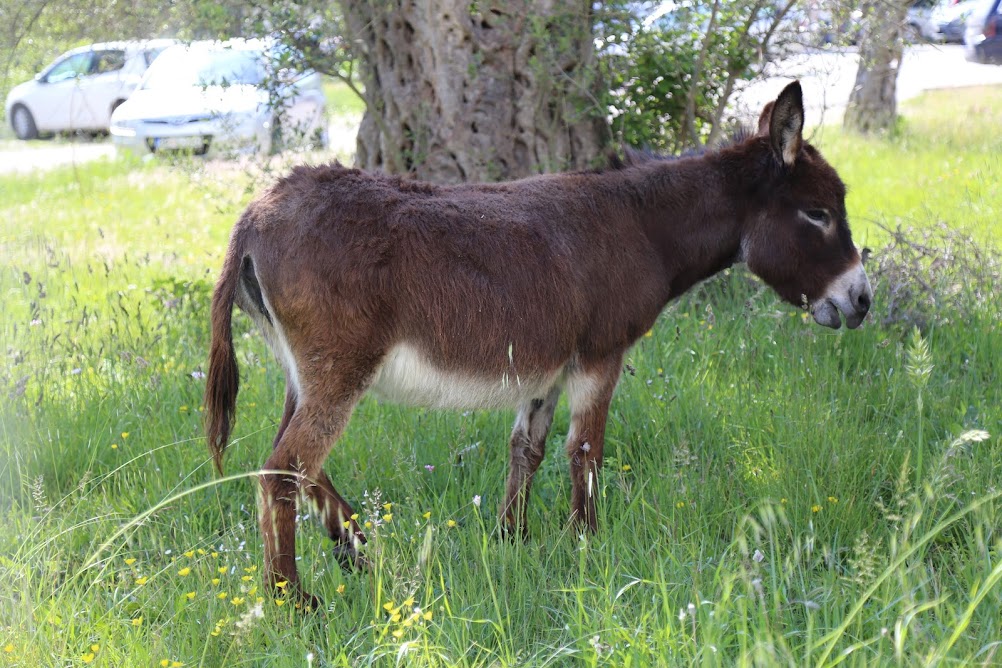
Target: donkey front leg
<point>589,392</point>
<point>528,444</point>
<point>300,452</point>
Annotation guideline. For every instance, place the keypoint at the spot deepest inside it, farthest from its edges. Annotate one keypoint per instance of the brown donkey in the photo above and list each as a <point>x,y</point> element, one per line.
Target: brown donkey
<point>503,295</point>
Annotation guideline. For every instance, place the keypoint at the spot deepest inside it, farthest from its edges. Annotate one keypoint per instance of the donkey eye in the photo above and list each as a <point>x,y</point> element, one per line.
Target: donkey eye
<point>817,216</point>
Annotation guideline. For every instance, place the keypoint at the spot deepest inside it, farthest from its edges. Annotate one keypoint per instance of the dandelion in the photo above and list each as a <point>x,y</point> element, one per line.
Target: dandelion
<point>184,572</point>
<point>815,508</point>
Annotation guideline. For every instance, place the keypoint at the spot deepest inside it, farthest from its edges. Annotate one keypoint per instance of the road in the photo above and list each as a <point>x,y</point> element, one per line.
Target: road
<point>827,78</point>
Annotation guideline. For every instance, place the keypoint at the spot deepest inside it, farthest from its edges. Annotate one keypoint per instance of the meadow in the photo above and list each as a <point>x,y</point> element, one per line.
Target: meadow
<point>773,494</point>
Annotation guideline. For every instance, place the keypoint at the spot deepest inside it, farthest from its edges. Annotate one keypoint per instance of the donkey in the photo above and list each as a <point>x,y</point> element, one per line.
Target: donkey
<point>503,295</point>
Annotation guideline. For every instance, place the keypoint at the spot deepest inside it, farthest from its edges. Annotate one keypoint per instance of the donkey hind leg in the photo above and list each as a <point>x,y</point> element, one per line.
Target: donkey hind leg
<point>339,519</point>
<point>589,392</point>
<point>335,514</point>
<point>304,444</point>
<point>528,443</point>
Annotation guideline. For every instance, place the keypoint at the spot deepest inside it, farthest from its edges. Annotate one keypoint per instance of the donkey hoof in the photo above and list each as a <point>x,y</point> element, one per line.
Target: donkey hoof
<point>350,559</point>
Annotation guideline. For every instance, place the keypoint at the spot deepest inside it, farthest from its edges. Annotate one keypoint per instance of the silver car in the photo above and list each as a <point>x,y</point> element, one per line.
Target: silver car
<point>233,96</point>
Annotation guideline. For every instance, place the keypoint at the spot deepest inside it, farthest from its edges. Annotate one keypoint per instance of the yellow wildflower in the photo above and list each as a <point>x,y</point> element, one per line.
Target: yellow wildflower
<point>138,621</point>
<point>130,560</point>
<point>427,615</point>
<point>125,434</point>
<point>190,595</point>
<point>222,569</point>
<point>427,515</point>
<point>450,523</point>
<point>237,600</point>
<point>815,508</point>
<point>88,657</point>
<point>280,602</point>
<point>340,589</point>
<point>141,581</point>
<point>190,553</point>
<point>184,571</point>
<point>222,595</point>
<point>626,467</point>
<point>281,585</point>
<point>387,507</point>
<point>8,648</point>
<point>95,648</point>
<point>388,517</point>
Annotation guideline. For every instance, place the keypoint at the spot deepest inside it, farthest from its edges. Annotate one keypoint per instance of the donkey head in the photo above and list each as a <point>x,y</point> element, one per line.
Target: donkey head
<point>796,236</point>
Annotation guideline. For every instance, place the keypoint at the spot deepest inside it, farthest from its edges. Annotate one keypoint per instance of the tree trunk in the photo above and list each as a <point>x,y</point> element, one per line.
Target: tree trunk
<point>476,91</point>
<point>872,106</point>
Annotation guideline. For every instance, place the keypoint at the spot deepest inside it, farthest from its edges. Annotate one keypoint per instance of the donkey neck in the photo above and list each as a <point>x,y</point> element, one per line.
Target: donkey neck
<point>692,216</point>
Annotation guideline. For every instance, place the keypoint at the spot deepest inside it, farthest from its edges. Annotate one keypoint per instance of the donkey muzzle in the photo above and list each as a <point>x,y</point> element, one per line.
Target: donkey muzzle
<point>849,295</point>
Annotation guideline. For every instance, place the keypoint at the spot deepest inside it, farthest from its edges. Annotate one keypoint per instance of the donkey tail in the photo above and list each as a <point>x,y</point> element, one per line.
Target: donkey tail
<point>223,379</point>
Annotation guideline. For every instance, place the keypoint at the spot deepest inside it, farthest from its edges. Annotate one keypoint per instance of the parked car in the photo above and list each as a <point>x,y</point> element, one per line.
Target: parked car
<point>950,19</point>
<point>220,97</point>
<point>983,37</point>
<point>919,21</point>
<point>80,89</point>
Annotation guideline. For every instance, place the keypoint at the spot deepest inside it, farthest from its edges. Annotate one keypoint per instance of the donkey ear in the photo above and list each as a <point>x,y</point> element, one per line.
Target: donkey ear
<point>763,119</point>
<point>786,124</point>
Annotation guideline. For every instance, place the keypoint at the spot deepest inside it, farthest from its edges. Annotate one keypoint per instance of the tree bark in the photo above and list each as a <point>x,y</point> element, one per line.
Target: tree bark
<point>872,105</point>
<point>476,91</point>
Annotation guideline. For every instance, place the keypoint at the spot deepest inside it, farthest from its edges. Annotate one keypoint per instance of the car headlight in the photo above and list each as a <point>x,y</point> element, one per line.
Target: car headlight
<point>123,129</point>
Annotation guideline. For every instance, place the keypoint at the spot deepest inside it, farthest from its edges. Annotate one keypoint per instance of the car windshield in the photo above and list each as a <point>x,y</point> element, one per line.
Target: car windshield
<point>186,68</point>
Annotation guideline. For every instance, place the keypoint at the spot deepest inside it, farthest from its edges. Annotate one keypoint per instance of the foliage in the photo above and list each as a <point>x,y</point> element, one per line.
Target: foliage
<point>761,502</point>
<point>671,76</point>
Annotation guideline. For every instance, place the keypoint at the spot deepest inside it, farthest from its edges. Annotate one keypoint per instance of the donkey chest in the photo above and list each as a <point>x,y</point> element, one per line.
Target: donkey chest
<point>408,377</point>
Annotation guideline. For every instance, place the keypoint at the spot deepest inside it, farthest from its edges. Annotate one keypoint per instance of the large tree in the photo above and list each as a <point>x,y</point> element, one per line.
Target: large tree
<point>872,104</point>
<point>461,90</point>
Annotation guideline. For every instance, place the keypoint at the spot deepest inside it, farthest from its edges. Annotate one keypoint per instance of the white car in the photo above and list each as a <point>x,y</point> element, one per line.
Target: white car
<point>220,97</point>
<point>80,89</point>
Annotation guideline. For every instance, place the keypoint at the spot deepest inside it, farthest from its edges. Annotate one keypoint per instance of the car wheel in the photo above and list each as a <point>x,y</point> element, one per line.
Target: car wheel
<point>23,122</point>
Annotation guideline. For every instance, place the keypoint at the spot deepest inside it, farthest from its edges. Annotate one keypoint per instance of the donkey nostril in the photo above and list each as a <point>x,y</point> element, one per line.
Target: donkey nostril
<point>863,301</point>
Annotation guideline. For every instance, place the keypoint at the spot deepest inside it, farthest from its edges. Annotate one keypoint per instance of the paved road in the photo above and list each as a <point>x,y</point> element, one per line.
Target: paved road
<point>827,78</point>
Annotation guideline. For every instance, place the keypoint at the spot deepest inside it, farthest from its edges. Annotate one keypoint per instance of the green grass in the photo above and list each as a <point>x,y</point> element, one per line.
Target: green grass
<point>944,164</point>
<point>762,501</point>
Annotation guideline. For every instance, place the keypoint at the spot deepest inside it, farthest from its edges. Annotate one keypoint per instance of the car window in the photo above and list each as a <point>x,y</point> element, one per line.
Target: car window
<point>69,68</point>
<point>108,61</point>
<point>184,68</point>
<point>151,54</point>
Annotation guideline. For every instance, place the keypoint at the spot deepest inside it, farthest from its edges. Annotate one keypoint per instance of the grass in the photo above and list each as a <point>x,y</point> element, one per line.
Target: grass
<point>763,500</point>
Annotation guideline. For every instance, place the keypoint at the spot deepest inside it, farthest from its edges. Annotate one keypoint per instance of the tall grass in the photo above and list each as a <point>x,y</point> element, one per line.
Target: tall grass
<point>774,493</point>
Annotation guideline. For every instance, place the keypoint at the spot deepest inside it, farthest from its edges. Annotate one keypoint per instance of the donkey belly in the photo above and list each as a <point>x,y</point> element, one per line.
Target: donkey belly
<point>408,377</point>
